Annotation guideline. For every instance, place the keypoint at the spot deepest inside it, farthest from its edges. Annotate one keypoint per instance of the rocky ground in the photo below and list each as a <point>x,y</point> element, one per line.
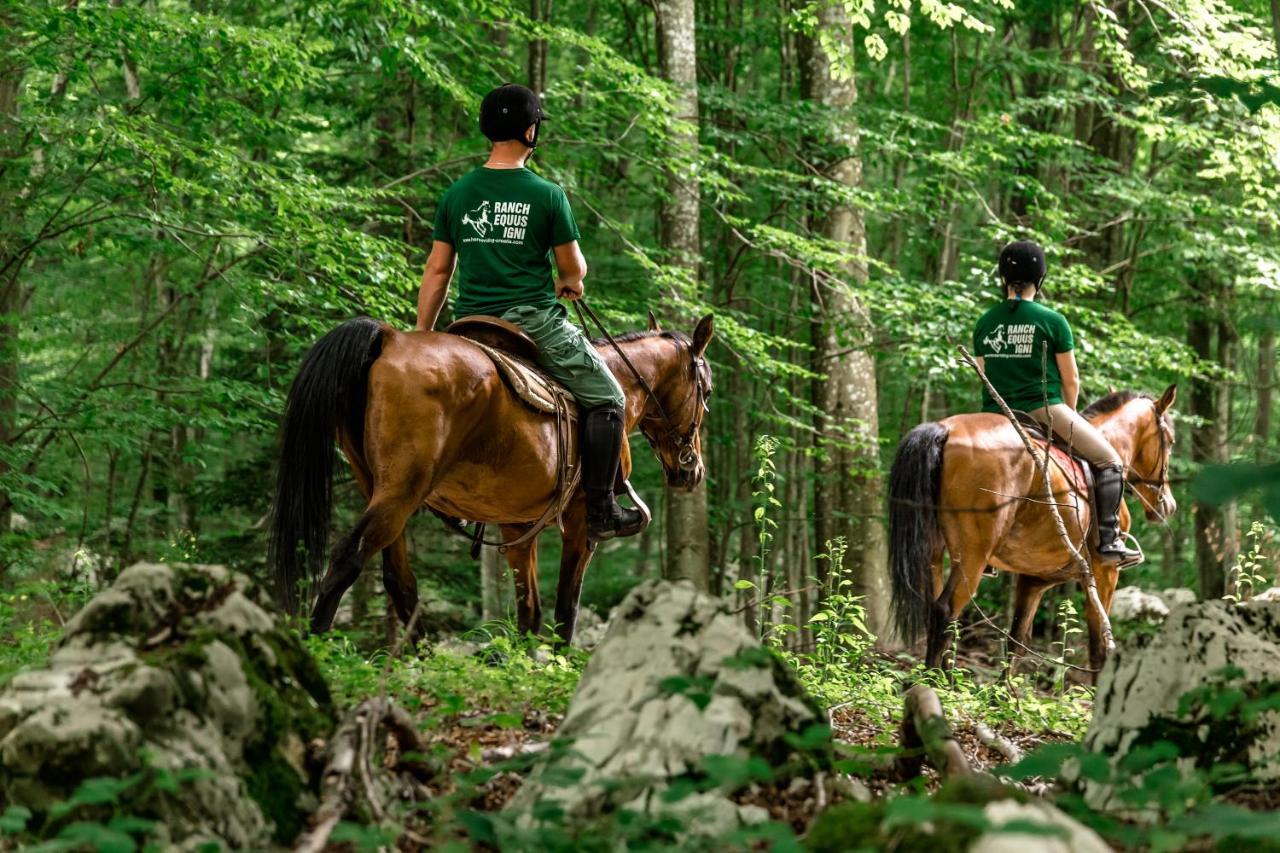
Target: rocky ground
<point>680,718</point>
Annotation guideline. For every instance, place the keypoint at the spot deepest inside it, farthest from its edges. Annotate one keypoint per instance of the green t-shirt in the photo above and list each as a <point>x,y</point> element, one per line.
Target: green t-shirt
<point>503,224</point>
<point>1012,345</point>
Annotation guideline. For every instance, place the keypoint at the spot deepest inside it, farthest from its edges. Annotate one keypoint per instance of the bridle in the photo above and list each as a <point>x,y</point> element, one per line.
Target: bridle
<point>684,440</point>
<point>1162,481</point>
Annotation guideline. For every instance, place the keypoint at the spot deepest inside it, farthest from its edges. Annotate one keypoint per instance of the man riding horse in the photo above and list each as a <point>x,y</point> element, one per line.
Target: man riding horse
<point>504,268</point>
<point>1009,342</point>
<point>434,419</point>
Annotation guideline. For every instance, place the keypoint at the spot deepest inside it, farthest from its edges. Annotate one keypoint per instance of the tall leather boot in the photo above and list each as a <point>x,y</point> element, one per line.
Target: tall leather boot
<point>602,434</point>
<point>1108,493</point>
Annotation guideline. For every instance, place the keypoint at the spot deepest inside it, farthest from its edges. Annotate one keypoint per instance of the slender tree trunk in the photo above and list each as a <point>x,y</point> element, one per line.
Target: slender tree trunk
<point>536,67</point>
<point>495,584</point>
<point>688,548</point>
<point>1266,380</point>
<point>10,288</point>
<point>1208,445</point>
<point>848,498</point>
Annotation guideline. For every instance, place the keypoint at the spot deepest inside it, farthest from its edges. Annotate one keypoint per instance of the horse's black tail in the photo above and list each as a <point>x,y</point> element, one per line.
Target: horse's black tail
<point>328,394</point>
<point>914,532</point>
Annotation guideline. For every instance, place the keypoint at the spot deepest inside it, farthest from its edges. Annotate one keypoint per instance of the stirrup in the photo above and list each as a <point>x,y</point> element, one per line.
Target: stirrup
<point>1134,558</point>
<point>646,517</point>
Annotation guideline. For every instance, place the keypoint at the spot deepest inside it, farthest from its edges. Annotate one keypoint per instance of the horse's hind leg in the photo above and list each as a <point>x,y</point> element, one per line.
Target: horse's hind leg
<point>401,585</point>
<point>523,560</point>
<point>380,525</point>
<point>1026,600</point>
<point>961,585</point>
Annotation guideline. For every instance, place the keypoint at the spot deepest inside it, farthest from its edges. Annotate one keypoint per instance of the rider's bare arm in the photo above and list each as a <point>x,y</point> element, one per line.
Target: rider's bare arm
<point>435,284</point>
<point>571,269</point>
<point>1070,377</point>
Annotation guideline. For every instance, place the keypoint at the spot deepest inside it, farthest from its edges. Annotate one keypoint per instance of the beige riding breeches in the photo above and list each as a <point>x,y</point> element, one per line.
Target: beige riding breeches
<point>1084,438</point>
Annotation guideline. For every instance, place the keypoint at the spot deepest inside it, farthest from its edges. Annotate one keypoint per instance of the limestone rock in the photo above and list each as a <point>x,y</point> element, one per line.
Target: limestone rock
<point>590,630</point>
<point>1177,595</point>
<point>677,684</point>
<point>1131,603</point>
<point>1199,647</point>
<point>180,668</point>
<point>1071,835</point>
<point>1000,819</point>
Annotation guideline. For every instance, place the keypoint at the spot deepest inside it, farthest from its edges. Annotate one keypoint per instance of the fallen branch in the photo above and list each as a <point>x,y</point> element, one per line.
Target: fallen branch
<point>348,772</point>
<point>927,734</point>
<point>998,743</point>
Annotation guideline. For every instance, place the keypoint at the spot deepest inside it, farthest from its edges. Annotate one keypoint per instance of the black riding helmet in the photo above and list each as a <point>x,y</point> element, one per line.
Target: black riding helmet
<point>507,111</point>
<point>1022,262</point>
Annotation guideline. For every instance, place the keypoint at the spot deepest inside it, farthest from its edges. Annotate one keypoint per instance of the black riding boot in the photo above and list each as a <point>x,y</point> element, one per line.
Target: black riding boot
<point>602,434</point>
<point>1108,493</point>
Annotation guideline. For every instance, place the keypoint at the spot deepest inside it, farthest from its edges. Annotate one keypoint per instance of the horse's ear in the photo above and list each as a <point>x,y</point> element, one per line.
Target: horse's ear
<point>702,334</point>
<point>653,323</point>
<point>1166,399</point>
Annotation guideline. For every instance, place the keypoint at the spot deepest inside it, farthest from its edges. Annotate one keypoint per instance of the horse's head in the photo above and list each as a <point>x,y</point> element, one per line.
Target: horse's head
<point>1152,447</point>
<point>672,419</point>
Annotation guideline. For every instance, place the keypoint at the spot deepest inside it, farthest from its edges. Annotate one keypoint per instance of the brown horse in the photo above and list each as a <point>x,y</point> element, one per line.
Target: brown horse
<point>425,419</point>
<point>967,487</point>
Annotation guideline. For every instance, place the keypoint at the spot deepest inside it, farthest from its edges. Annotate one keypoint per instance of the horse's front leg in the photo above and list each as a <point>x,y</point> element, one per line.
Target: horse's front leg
<point>523,560</point>
<point>575,555</point>
<point>1106,577</point>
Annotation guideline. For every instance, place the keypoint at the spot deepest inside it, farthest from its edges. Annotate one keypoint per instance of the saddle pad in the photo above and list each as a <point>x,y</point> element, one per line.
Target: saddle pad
<point>1072,467</point>
<point>537,390</point>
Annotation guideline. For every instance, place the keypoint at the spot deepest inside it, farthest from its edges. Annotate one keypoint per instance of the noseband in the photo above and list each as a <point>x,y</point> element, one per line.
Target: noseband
<point>687,454</point>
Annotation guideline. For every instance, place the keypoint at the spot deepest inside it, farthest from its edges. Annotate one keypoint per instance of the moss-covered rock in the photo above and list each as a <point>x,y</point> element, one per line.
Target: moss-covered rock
<point>679,709</point>
<point>179,667</point>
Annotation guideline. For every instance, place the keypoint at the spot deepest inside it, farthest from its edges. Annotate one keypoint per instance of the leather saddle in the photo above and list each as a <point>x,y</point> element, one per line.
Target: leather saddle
<point>515,355</point>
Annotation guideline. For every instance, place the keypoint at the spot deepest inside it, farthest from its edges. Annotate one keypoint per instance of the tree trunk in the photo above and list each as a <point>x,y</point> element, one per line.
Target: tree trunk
<point>688,548</point>
<point>10,288</point>
<point>540,11</point>
<point>495,584</point>
<point>1208,443</point>
<point>1266,379</point>
<point>847,498</point>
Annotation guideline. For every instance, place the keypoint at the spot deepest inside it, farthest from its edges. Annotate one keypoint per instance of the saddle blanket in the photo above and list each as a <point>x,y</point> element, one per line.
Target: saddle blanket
<point>537,390</point>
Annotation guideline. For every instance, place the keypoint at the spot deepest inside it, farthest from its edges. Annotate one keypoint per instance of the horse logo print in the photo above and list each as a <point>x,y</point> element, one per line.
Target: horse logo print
<point>478,219</point>
<point>995,340</point>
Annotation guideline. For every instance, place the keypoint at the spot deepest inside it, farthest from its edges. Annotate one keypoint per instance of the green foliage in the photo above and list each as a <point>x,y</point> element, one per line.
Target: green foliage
<point>108,815</point>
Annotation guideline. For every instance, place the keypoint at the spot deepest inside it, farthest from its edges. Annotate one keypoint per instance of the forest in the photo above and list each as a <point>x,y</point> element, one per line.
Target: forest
<point>192,194</point>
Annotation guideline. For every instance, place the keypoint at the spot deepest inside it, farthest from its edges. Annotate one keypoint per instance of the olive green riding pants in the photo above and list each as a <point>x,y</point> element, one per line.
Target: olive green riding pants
<point>566,354</point>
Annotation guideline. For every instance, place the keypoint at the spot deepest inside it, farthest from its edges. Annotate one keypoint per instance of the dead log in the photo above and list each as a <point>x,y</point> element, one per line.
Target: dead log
<point>351,765</point>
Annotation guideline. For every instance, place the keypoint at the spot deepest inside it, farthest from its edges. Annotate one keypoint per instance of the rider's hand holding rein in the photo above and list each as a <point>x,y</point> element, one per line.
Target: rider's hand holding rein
<point>571,269</point>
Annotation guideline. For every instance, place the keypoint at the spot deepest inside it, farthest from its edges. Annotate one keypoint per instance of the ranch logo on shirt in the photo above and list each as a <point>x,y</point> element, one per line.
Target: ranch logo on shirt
<point>497,222</point>
<point>1018,338</point>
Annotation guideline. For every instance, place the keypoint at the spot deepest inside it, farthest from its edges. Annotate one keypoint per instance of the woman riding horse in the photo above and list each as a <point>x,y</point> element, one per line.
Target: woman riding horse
<point>965,487</point>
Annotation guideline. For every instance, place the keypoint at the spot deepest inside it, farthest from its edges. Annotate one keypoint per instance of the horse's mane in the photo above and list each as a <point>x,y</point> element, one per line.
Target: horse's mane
<point>1111,402</point>
<point>642,334</point>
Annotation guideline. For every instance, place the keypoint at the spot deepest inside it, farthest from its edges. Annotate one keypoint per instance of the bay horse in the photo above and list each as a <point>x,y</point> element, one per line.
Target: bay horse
<point>424,418</point>
<point>966,487</point>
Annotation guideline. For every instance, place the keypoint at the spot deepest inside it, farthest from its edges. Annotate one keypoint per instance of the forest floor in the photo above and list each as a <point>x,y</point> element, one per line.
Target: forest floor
<point>486,712</point>
<point>487,703</point>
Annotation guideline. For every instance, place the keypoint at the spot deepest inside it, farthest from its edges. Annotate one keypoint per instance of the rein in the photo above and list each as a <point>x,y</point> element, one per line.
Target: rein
<point>684,441</point>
